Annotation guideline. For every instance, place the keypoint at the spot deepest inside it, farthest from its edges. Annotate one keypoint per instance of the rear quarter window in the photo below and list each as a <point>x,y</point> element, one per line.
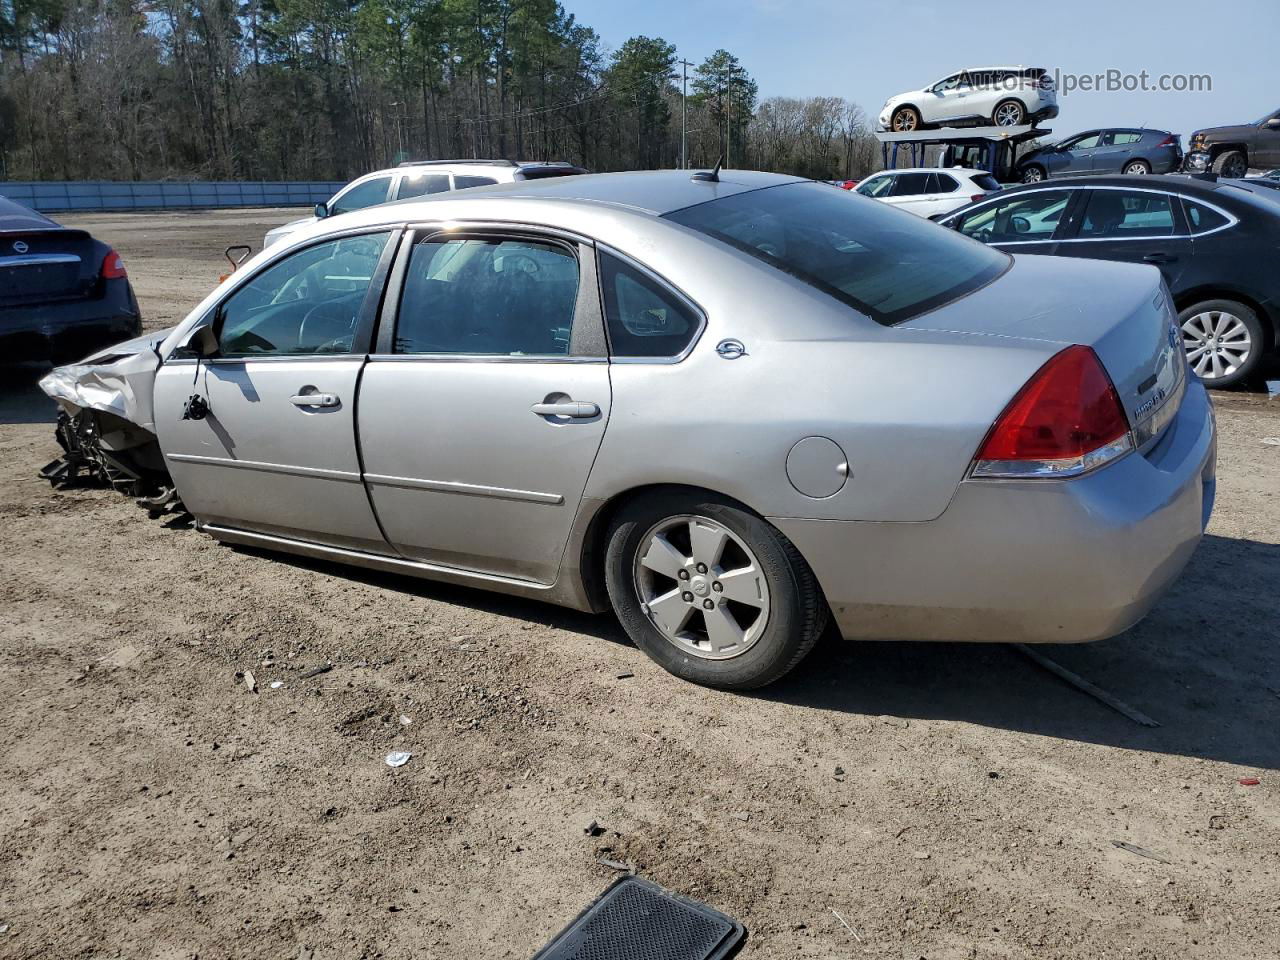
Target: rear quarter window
<point>888,264</point>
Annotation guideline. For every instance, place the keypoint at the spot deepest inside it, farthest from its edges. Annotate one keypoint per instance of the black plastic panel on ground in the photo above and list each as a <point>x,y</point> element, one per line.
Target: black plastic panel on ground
<point>638,920</point>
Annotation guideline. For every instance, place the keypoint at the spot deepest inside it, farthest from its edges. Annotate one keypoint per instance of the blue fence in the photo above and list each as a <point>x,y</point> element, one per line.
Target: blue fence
<point>81,195</point>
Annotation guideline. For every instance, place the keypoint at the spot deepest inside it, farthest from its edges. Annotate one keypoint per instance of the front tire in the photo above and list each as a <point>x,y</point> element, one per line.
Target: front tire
<point>905,120</point>
<point>1224,341</point>
<point>1231,164</point>
<point>1009,113</point>
<point>1137,168</point>
<point>1033,174</point>
<point>710,591</point>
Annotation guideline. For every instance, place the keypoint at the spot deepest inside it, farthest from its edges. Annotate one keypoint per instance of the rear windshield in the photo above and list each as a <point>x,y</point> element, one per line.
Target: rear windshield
<point>886,263</point>
<point>986,181</point>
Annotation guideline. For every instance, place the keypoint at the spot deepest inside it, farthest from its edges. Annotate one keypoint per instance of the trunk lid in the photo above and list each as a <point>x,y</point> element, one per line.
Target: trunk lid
<point>37,266</point>
<point>1123,311</point>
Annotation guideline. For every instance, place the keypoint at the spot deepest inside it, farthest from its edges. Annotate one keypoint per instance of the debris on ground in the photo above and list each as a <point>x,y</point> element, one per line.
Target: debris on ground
<point>593,829</point>
<point>405,720</point>
<point>1140,851</point>
<point>839,774</point>
<point>1249,781</point>
<point>1115,703</point>
<point>1271,441</point>
<point>625,676</point>
<point>250,682</point>
<point>315,671</point>
<point>616,865</point>
<point>398,758</point>
<point>277,684</point>
<point>742,815</point>
<point>845,923</point>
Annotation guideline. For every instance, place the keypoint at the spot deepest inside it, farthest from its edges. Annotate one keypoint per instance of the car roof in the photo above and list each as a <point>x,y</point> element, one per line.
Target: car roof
<point>1161,181</point>
<point>657,192</point>
<point>961,170</point>
<point>14,216</point>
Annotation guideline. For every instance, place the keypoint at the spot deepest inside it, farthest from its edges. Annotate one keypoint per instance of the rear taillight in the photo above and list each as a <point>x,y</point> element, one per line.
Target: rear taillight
<point>112,267</point>
<point>1066,421</point>
<point>976,197</point>
<point>1170,141</point>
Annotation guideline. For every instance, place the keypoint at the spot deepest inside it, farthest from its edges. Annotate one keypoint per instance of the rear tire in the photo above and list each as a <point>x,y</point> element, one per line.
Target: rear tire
<point>1224,341</point>
<point>1231,164</point>
<point>1137,168</point>
<point>1009,113</point>
<point>904,120</point>
<point>677,612</point>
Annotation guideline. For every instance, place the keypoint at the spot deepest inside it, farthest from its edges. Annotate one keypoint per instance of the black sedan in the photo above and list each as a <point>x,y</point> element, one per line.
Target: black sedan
<point>1215,241</point>
<point>63,294</point>
<point>1130,150</point>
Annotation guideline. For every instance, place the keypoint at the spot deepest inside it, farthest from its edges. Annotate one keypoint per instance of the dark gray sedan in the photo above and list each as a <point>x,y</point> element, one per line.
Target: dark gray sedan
<point>1122,150</point>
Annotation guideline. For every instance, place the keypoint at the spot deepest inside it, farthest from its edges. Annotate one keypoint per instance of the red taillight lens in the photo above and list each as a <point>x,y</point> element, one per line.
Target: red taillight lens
<point>1168,142</point>
<point>112,266</point>
<point>1066,421</point>
<point>976,197</point>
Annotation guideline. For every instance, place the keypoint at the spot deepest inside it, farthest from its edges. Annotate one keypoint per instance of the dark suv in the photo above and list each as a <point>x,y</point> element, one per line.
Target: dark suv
<point>1232,151</point>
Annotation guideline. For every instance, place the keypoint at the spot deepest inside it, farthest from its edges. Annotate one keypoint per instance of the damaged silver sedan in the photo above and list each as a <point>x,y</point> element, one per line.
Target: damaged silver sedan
<point>730,408</point>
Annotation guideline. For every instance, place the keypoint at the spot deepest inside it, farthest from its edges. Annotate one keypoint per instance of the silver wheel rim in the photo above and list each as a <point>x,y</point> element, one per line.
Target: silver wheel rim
<point>906,120</point>
<point>701,587</point>
<point>1008,115</point>
<point>1136,169</point>
<point>1031,176</point>
<point>1217,343</point>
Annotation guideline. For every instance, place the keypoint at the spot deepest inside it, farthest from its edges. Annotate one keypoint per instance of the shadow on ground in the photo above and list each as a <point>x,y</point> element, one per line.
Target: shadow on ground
<point>21,399</point>
<point>1205,664</point>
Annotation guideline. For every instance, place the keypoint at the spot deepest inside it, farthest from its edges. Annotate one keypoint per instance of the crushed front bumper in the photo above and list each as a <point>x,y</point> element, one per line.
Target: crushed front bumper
<point>1026,561</point>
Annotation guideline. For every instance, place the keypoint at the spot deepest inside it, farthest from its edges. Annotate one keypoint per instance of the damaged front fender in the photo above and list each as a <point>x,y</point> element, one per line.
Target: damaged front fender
<point>119,381</point>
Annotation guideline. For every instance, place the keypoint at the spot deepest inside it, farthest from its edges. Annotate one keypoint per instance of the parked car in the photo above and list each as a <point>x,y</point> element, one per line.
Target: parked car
<point>928,191</point>
<point>1233,150</point>
<point>978,96</point>
<point>418,178</point>
<point>729,407</point>
<point>1121,150</point>
<point>1213,241</point>
<point>63,294</point>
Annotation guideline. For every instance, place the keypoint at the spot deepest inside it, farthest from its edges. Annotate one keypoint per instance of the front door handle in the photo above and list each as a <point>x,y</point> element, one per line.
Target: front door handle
<point>315,400</point>
<point>1159,258</point>
<point>572,409</point>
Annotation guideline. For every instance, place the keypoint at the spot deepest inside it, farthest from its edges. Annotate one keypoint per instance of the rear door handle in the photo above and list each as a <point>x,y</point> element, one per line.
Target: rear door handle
<point>1159,258</point>
<point>572,409</point>
<point>315,400</point>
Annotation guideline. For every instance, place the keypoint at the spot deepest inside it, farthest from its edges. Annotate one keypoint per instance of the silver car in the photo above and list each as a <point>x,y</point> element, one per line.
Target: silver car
<point>729,408</point>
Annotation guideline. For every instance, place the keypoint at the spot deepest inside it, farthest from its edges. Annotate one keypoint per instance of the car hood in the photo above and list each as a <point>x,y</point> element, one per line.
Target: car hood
<point>1216,134</point>
<point>118,380</point>
<point>275,233</point>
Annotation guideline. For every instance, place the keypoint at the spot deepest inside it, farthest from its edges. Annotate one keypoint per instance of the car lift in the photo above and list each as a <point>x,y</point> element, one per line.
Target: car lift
<point>987,144</point>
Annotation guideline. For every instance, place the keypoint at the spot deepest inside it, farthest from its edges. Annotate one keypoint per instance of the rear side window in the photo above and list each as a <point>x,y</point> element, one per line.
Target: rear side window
<point>419,185</point>
<point>488,297</point>
<point>1123,139</point>
<point>644,318</point>
<point>911,184</point>
<point>1201,218</point>
<point>886,263</point>
<point>461,183</point>
<point>942,183</point>
<point>1124,213</point>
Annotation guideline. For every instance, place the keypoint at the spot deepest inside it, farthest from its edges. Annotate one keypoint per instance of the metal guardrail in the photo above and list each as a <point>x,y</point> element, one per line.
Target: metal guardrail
<point>84,195</point>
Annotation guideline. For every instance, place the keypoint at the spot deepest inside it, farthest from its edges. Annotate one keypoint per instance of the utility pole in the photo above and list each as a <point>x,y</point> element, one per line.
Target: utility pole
<point>684,114</point>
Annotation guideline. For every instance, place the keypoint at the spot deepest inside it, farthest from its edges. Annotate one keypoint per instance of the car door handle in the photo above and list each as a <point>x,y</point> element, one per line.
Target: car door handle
<point>315,400</point>
<point>1159,258</point>
<point>573,409</point>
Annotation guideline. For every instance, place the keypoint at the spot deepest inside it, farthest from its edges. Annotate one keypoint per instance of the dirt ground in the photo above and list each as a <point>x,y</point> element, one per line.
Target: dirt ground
<point>946,801</point>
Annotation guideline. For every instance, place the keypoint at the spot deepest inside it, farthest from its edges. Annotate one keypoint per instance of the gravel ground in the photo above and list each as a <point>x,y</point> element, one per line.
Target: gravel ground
<point>947,801</point>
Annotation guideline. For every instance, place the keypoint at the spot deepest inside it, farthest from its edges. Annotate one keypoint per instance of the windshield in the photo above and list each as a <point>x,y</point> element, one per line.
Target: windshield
<point>886,263</point>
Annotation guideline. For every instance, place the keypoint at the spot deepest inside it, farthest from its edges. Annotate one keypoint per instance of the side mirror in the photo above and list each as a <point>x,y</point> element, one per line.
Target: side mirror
<point>1273,123</point>
<point>322,211</point>
<point>1021,225</point>
<point>201,341</point>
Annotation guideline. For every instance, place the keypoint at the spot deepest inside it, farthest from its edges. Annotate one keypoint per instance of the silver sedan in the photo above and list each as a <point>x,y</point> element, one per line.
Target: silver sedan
<point>731,408</point>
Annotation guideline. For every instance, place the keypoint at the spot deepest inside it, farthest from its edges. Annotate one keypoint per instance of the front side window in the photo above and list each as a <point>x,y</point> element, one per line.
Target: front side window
<point>645,319</point>
<point>488,296</point>
<point>1031,217</point>
<point>1115,214</point>
<point>942,86</point>
<point>308,303</point>
<point>421,184</point>
<point>1085,143</point>
<point>876,186</point>
<point>886,263</point>
<point>362,195</point>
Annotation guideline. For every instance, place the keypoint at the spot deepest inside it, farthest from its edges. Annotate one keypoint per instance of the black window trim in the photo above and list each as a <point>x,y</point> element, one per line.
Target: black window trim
<point>1068,213</point>
<point>675,292</point>
<point>586,336</point>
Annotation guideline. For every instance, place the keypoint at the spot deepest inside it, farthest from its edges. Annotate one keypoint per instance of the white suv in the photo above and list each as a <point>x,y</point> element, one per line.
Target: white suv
<point>978,96</point>
<point>419,178</point>
<point>929,191</point>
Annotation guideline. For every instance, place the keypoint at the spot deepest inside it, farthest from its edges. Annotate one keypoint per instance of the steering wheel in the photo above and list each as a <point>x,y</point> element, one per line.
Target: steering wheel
<point>333,312</point>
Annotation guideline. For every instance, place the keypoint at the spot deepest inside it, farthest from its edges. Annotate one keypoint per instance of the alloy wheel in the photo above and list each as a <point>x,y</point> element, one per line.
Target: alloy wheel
<point>701,587</point>
<point>1217,343</point>
<point>1008,115</point>
<point>904,121</point>
<point>1032,175</point>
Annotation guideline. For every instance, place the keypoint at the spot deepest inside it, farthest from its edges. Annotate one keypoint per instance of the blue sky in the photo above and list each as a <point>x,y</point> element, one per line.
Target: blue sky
<point>867,51</point>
